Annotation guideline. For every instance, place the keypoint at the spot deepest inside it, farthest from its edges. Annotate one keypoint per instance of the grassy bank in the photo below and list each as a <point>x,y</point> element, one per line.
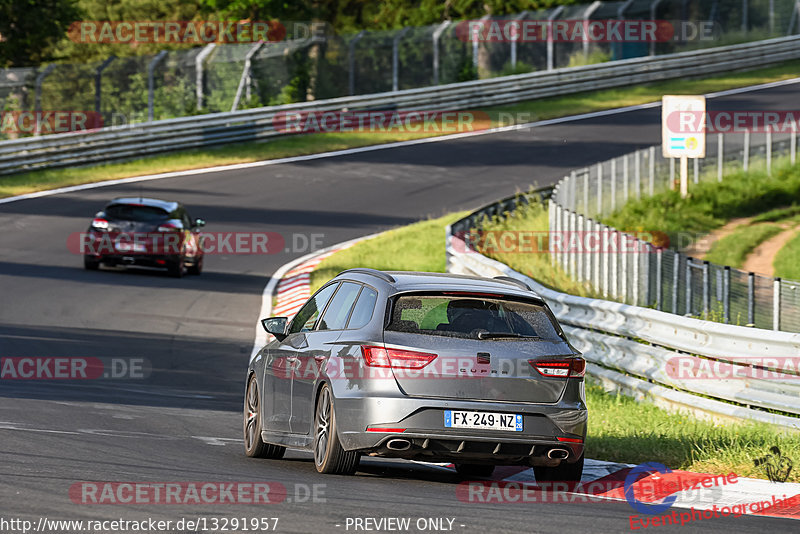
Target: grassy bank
<point>540,109</point>
<point>621,429</point>
<point>734,248</point>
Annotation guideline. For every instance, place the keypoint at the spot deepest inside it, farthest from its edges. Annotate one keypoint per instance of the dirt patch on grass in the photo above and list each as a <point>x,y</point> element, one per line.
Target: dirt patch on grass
<point>760,260</point>
<point>700,247</point>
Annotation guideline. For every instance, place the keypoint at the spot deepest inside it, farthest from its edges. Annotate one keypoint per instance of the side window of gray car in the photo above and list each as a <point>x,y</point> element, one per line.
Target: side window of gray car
<point>337,312</point>
<point>307,316</point>
<point>364,308</point>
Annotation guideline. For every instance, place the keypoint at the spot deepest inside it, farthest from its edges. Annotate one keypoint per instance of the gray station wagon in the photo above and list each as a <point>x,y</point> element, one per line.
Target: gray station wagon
<point>423,366</point>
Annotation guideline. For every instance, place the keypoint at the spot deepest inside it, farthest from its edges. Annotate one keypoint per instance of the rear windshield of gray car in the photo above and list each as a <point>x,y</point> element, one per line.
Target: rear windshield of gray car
<point>467,316</point>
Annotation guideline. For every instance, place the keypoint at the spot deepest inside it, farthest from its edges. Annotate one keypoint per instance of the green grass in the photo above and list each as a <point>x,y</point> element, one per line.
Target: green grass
<point>540,109</point>
<point>734,248</point>
<point>710,203</point>
<point>416,247</point>
<point>778,214</point>
<point>787,260</point>
<point>621,429</point>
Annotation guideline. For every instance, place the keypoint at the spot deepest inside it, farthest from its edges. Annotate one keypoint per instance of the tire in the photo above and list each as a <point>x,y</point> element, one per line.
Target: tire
<point>329,456</point>
<point>564,472</point>
<point>196,268</point>
<point>474,470</point>
<point>176,269</point>
<point>254,446</point>
<point>90,264</point>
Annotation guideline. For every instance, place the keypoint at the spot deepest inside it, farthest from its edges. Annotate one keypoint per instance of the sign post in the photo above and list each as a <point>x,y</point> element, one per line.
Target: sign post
<point>683,132</point>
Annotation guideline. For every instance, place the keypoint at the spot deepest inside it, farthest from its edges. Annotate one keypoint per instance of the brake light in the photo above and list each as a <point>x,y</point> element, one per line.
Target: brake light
<point>100,224</point>
<point>387,430</point>
<point>396,358</point>
<point>569,440</point>
<point>571,367</point>
<point>169,227</point>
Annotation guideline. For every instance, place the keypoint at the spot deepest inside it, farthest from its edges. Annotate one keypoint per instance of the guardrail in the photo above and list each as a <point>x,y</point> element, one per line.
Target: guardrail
<point>639,351</point>
<point>110,144</point>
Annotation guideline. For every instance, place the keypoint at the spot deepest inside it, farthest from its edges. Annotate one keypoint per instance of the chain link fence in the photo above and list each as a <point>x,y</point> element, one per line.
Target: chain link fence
<point>320,64</point>
<point>639,269</point>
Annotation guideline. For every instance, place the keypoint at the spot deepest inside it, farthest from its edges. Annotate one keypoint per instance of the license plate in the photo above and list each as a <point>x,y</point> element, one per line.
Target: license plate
<point>483,420</point>
<point>130,247</point>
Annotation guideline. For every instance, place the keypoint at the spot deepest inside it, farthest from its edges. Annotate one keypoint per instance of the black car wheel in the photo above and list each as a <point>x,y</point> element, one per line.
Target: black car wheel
<point>254,446</point>
<point>90,264</point>
<point>329,455</point>
<point>177,268</point>
<point>197,267</point>
<point>564,472</point>
<point>474,470</point>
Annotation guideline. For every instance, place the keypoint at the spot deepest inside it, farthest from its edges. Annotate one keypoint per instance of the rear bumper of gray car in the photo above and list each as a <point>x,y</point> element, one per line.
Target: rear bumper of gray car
<point>413,428</point>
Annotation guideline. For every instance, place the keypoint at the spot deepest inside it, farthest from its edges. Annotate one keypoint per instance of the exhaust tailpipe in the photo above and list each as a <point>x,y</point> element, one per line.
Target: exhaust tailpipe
<point>557,454</point>
<point>398,444</point>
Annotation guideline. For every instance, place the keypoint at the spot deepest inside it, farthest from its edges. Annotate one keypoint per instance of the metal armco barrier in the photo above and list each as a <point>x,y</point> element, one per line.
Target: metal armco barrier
<point>633,349</point>
<point>109,144</point>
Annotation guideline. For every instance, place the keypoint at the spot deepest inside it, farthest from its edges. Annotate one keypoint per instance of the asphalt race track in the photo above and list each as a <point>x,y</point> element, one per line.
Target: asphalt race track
<point>183,422</point>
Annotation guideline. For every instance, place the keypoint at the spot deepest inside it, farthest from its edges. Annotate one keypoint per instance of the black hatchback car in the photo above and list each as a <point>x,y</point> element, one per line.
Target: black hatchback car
<point>144,232</point>
<point>421,366</point>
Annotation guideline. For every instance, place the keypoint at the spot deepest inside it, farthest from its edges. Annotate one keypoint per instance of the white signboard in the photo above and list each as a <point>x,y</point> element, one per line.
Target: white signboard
<point>683,126</point>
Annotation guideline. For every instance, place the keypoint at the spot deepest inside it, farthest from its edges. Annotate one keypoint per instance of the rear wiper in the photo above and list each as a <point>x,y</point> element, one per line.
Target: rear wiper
<point>499,335</point>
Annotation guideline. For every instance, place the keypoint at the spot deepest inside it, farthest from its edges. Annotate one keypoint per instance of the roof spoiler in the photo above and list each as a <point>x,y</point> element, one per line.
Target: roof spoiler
<point>519,283</point>
<point>373,272</point>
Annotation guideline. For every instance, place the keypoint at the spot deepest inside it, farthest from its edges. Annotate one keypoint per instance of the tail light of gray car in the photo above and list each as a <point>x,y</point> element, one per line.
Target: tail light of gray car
<point>563,368</point>
<point>375,356</point>
<point>169,227</point>
<point>99,224</point>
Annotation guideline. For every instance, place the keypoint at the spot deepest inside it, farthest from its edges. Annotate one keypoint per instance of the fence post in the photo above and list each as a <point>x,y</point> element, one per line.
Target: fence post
<point>672,174</point>
<point>676,264</point>
<point>659,277</point>
<point>615,265</point>
<point>476,46</point>
<point>580,253</point>
<point>744,16</point>
<point>573,254</point>
<point>37,99</point>
<point>746,150</point>
<point>769,152</point>
<point>793,144</point>
<point>613,185</point>
<point>198,67</point>
<point>653,8</point>
<point>625,187</point>
<point>565,246</point>
<point>623,275</point>
<point>396,57</point>
<point>720,155</point>
<point>550,44</point>
<point>437,34</point>
<point>606,256</point>
<point>776,304</point>
<point>751,299</point>
<point>706,291</point>
<point>652,162</point>
<point>597,255</point>
<point>351,62</point>
<point>599,189</point>
<point>98,82</point>
<point>586,193</point>
<point>244,79</point>
<point>151,86</point>
<point>516,19</point>
<point>635,258</point>
<point>689,262</point>
<point>637,172</point>
<point>726,294</point>
<point>696,170</point>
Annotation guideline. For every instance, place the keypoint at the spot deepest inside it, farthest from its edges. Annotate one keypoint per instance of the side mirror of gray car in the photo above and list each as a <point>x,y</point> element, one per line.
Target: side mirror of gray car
<point>275,326</point>
<point>199,223</point>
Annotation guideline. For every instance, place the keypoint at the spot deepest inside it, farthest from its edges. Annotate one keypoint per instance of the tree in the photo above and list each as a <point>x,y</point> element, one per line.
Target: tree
<point>30,28</point>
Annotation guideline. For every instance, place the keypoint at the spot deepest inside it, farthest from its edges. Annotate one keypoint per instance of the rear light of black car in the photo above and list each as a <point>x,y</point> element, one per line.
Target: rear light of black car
<point>395,358</point>
<point>568,367</point>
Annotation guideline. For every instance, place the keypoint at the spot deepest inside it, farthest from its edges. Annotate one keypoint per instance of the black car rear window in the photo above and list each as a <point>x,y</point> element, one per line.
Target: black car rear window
<point>128,212</point>
<point>476,317</point>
